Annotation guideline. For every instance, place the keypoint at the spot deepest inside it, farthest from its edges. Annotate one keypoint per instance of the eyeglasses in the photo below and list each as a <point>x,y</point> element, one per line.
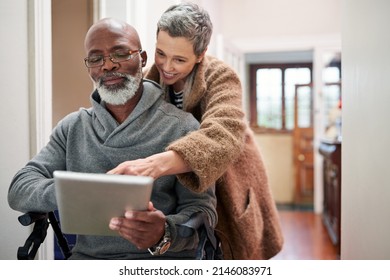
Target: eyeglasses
<point>116,57</point>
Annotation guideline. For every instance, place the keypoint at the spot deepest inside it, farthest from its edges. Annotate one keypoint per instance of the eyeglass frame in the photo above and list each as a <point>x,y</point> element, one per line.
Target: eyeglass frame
<point>130,52</point>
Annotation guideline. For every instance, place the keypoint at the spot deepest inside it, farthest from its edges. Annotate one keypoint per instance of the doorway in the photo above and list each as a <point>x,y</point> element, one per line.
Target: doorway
<point>71,83</point>
<point>303,148</point>
<point>274,117</point>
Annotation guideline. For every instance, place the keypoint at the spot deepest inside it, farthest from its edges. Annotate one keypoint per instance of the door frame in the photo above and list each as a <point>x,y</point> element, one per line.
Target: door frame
<point>40,90</point>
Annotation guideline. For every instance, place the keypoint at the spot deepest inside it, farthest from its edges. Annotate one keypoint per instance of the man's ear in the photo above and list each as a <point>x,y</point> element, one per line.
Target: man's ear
<point>144,58</point>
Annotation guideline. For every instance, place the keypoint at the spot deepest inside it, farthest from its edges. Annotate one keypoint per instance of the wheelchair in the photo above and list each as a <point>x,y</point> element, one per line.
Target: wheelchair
<point>209,246</point>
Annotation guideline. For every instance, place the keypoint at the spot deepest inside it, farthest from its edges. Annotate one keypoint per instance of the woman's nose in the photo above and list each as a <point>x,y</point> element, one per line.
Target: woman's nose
<point>167,66</point>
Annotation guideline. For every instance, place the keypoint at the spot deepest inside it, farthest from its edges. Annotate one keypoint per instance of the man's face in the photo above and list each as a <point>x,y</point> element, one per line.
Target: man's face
<point>116,82</point>
<point>118,93</point>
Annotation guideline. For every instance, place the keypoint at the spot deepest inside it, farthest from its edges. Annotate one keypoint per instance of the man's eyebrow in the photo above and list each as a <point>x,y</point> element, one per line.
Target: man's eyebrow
<point>93,52</point>
<point>120,47</point>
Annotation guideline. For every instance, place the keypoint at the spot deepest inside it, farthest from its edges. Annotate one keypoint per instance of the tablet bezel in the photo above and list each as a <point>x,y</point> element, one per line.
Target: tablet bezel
<point>87,201</point>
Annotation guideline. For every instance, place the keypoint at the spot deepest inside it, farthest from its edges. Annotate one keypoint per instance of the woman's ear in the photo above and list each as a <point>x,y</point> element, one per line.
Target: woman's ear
<point>201,56</point>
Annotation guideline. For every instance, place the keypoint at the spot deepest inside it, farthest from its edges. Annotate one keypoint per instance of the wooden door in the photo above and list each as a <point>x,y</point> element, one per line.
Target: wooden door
<point>303,146</point>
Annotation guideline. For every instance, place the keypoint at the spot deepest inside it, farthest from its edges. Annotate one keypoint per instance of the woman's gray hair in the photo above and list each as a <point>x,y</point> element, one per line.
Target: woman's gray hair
<point>190,21</point>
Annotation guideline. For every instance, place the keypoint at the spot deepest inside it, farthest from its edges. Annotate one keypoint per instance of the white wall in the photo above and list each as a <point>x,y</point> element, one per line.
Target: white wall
<point>14,116</point>
<point>365,228</point>
<point>247,20</point>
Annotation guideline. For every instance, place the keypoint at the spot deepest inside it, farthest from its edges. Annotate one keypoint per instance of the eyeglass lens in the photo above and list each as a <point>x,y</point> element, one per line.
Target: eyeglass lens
<point>118,56</point>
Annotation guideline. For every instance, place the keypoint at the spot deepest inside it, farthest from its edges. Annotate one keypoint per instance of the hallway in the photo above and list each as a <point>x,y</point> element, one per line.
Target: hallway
<point>305,236</point>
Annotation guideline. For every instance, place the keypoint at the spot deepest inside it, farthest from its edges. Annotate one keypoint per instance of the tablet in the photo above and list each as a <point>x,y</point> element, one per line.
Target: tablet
<point>87,201</point>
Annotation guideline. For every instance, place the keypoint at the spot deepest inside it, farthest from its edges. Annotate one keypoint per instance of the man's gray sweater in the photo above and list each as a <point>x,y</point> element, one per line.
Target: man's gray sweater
<point>91,140</point>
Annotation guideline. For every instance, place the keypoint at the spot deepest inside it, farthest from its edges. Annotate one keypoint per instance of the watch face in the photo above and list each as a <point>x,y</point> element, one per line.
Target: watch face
<point>165,247</point>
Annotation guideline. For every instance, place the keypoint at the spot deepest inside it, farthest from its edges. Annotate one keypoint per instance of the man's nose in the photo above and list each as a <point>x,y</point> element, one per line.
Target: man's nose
<point>109,65</point>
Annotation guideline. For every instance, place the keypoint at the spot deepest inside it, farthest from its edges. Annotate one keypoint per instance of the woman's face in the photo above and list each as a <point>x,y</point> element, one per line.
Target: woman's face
<point>175,59</point>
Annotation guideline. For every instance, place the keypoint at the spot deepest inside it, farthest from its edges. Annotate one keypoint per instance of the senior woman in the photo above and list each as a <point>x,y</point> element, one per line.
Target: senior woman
<point>223,150</point>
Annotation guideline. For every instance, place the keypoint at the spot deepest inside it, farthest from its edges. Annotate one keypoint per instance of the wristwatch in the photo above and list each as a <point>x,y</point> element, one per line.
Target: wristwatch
<point>163,245</point>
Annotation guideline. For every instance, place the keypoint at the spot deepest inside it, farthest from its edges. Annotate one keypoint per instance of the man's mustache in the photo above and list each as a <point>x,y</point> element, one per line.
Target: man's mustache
<point>111,75</point>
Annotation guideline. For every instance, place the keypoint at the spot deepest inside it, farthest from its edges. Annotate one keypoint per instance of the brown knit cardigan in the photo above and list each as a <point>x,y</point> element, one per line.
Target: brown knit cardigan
<point>224,151</point>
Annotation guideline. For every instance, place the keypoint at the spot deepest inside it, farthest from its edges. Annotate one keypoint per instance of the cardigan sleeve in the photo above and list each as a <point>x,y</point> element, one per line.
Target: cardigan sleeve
<point>209,150</point>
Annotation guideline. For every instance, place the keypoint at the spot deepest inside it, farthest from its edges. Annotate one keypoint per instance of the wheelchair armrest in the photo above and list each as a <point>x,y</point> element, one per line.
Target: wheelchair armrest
<point>37,236</point>
<point>41,223</point>
<point>195,221</point>
<point>198,222</point>
<point>31,217</point>
<point>209,244</point>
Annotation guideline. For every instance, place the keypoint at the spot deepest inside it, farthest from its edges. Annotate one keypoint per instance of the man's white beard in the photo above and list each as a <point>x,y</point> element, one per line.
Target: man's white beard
<point>119,94</point>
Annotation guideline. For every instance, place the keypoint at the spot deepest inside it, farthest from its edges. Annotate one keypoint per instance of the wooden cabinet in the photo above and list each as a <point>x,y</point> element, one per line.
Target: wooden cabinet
<point>331,151</point>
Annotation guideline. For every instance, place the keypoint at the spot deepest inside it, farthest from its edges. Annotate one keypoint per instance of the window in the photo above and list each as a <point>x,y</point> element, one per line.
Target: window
<point>331,91</point>
<point>272,94</point>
